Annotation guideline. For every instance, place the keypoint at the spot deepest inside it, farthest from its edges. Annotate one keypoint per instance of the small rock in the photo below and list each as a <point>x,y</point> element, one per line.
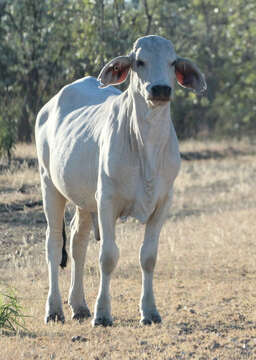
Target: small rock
<point>245,341</point>
<point>22,189</point>
<point>242,317</point>
<point>215,345</point>
<point>143,342</point>
<point>234,339</point>
<point>78,338</point>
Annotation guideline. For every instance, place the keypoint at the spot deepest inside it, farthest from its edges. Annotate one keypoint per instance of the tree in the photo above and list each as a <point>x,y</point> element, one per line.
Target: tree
<point>44,45</point>
<point>41,47</point>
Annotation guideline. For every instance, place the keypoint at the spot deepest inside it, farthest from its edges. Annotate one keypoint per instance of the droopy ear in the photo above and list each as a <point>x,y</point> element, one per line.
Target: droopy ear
<point>115,72</point>
<point>189,76</point>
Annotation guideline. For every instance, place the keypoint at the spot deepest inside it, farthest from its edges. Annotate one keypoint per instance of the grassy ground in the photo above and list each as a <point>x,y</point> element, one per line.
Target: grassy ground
<point>204,278</point>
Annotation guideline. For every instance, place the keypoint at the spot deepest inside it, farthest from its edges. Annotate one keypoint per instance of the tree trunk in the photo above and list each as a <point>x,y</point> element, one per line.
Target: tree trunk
<point>24,128</point>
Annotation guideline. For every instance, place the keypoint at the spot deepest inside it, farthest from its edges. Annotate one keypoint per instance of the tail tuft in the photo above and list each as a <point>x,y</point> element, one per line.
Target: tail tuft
<point>64,258</point>
<point>95,226</point>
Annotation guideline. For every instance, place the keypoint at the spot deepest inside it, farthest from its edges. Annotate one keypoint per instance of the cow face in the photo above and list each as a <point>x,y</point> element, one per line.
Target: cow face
<point>153,69</point>
<point>154,66</point>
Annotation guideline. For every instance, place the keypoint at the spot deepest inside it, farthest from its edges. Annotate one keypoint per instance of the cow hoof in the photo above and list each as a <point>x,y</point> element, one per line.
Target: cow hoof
<point>81,314</point>
<point>55,317</point>
<point>156,319</point>
<point>145,321</point>
<point>102,321</point>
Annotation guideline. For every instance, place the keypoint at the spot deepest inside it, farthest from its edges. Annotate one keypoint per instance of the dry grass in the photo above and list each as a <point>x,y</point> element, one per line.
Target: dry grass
<point>204,278</point>
<point>25,151</point>
<point>222,146</point>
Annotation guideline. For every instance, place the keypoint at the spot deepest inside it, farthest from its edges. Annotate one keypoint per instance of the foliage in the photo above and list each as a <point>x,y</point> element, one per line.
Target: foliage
<point>46,44</point>
<point>7,137</point>
<point>11,312</point>
<point>7,133</point>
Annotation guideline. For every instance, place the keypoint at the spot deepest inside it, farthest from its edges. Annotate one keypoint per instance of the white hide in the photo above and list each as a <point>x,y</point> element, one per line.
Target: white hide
<point>115,154</point>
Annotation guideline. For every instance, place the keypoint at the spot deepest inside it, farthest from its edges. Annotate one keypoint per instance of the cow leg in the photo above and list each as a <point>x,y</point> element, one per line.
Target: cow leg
<point>148,255</point>
<point>54,205</point>
<point>80,229</point>
<point>108,258</point>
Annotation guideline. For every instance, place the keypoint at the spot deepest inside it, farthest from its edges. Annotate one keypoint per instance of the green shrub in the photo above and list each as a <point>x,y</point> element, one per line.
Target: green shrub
<point>7,136</point>
<point>11,312</point>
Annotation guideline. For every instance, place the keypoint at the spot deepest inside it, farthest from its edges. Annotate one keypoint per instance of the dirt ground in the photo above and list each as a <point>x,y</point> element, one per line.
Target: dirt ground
<point>204,278</point>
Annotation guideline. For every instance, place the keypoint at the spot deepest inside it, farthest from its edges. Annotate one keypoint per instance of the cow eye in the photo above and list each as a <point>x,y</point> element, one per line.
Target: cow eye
<point>140,63</point>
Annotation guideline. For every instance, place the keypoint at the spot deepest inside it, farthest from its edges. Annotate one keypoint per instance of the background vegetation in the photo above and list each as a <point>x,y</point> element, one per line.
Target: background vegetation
<point>46,44</point>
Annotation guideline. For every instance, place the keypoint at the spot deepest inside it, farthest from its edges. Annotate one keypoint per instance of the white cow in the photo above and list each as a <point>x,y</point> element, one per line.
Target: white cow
<point>113,155</point>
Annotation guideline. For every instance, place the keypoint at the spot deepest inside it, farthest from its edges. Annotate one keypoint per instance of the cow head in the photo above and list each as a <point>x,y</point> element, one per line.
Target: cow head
<point>153,66</point>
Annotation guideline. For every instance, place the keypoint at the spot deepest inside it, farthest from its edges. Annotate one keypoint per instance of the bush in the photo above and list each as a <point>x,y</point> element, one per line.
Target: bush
<point>7,136</point>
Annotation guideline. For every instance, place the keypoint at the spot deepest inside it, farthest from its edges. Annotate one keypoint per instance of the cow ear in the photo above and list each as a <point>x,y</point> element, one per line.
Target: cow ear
<point>115,72</point>
<point>189,76</point>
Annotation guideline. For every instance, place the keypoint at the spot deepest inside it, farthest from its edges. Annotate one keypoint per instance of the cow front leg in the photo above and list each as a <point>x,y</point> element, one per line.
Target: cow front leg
<point>108,258</point>
<point>148,255</point>
<point>80,228</point>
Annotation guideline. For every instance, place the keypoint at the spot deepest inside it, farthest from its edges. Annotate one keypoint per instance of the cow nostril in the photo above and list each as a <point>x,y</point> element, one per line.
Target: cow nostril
<point>161,92</point>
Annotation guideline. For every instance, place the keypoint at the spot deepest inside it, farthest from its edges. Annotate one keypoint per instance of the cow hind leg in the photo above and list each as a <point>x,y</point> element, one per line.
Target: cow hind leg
<point>54,206</point>
<point>80,229</point>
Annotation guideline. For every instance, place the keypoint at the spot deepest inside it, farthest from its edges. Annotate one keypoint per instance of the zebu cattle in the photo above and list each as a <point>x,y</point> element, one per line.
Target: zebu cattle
<point>113,155</point>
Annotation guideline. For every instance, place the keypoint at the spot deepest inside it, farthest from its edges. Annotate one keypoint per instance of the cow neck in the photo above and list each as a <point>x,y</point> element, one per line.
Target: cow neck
<point>150,130</point>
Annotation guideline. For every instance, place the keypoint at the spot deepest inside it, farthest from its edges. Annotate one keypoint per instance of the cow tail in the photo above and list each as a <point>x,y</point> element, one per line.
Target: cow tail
<point>95,226</point>
<point>64,258</point>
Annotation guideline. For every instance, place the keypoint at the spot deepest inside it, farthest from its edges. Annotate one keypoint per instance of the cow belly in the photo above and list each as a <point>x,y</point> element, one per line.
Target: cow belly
<point>80,193</point>
<point>76,178</point>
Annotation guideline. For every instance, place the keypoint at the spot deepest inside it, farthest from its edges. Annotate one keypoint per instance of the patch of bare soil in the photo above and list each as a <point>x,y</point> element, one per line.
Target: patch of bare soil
<point>204,279</point>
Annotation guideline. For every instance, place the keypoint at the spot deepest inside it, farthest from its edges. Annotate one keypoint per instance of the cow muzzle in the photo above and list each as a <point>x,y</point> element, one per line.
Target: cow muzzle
<point>160,94</point>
